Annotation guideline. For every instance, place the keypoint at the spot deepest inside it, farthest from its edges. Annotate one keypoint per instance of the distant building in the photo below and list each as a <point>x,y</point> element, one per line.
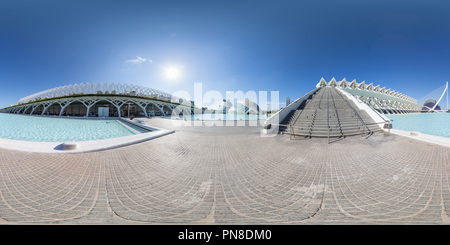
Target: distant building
<point>288,101</point>
<point>225,106</point>
<point>245,107</point>
<point>430,104</point>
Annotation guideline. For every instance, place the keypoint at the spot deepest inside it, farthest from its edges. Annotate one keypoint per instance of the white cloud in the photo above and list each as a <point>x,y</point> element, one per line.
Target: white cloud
<point>138,60</point>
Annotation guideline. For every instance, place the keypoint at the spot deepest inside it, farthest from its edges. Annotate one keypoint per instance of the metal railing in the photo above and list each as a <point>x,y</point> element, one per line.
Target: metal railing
<point>295,128</point>
<point>356,113</point>
<point>328,115</point>
<point>389,122</point>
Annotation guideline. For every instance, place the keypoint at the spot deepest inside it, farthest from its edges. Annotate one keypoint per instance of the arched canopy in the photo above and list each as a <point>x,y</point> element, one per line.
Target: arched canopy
<point>118,106</point>
<point>98,88</point>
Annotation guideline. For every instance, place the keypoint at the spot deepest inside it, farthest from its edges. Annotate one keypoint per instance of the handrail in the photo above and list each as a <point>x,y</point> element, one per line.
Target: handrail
<point>287,107</point>
<point>291,132</point>
<point>356,113</point>
<point>344,126</point>
<point>388,121</point>
<point>371,107</point>
<point>321,98</point>
<point>347,126</point>
<point>306,101</point>
<point>297,116</point>
<point>336,113</point>
<point>328,115</point>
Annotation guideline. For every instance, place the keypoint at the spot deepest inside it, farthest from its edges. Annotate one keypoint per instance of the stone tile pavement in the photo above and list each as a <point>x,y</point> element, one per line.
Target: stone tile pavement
<point>231,175</point>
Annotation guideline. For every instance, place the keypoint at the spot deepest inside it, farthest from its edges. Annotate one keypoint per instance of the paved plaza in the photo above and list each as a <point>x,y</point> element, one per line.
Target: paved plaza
<point>231,175</point>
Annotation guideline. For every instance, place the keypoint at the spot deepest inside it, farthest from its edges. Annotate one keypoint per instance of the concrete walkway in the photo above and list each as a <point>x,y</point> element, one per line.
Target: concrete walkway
<point>231,175</point>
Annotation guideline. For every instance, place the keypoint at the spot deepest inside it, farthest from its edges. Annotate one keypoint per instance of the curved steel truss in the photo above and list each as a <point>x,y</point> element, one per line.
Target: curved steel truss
<point>97,88</point>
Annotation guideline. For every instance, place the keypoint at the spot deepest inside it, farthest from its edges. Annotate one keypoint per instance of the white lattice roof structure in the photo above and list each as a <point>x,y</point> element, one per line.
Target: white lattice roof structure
<point>97,88</point>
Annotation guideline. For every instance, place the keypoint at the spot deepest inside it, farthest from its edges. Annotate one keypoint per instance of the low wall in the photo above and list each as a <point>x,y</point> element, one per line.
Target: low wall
<point>376,116</point>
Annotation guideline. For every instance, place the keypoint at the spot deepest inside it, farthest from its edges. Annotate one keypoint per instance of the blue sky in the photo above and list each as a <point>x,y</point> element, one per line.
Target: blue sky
<point>258,45</point>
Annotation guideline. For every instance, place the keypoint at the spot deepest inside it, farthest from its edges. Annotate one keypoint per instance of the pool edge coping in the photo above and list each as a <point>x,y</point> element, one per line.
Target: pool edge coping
<point>439,140</point>
<point>85,146</point>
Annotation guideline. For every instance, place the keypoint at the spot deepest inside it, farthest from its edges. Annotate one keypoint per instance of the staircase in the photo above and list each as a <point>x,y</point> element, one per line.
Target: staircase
<point>327,113</point>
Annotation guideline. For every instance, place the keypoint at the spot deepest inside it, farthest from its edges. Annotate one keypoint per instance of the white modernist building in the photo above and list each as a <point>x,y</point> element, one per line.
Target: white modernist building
<point>242,107</point>
<point>383,100</point>
<point>225,106</point>
<point>246,107</point>
<point>102,99</point>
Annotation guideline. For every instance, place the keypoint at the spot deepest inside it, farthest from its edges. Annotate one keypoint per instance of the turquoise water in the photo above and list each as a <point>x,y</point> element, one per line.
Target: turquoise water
<point>48,129</point>
<point>225,117</point>
<point>427,123</point>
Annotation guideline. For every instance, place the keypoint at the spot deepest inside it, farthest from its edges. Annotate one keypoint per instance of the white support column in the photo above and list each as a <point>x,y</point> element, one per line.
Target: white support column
<point>186,110</point>
<point>25,110</point>
<point>89,103</point>
<point>160,108</point>
<point>143,106</point>
<point>172,109</point>
<point>182,109</point>
<point>118,104</point>
<point>34,108</point>
<point>64,105</point>
<point>22,108</point>
<point>46,106</point>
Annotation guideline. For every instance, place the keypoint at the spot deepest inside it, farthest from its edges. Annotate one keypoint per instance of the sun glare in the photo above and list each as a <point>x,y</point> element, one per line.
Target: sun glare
<point>172,73</point>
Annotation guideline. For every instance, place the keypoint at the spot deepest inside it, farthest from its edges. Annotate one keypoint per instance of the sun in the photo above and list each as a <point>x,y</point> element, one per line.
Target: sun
<point>172,73</point>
